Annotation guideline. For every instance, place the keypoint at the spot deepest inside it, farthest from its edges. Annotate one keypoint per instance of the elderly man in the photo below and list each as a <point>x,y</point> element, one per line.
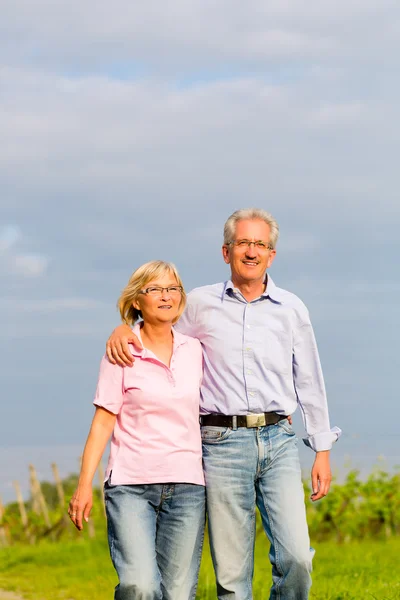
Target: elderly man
<point>260,362</point>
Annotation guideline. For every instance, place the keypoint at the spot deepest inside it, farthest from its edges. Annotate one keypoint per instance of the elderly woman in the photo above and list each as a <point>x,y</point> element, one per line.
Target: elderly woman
<point>154,487</point>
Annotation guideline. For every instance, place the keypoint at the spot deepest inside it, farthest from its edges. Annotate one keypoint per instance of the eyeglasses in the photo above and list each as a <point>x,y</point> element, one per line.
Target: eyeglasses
<point>259,244</point>
<point>174,290</point>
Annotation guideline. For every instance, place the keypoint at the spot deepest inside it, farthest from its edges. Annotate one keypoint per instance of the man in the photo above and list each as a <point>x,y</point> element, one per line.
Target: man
<point>260,362</point>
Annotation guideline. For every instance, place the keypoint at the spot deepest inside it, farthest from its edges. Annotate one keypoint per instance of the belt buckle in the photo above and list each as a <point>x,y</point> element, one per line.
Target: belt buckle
<point>255,420</point>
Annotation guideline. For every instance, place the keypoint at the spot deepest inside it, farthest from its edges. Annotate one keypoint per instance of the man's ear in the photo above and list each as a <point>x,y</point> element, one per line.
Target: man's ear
<point>271,257</point>
<point>225,254</point>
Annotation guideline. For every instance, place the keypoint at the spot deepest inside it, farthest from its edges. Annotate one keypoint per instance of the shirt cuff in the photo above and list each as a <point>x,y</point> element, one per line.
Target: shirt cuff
<point>112,408</point>
<point>323,441</point>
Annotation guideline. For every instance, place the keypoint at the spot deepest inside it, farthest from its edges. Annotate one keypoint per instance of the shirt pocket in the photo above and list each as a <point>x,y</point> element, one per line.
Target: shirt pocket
<point>277,352</point>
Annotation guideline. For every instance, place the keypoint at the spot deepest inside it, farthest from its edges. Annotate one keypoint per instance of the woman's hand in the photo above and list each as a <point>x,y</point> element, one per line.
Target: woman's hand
<point>81,502</point>
<point>117,348</point>
<point>80,506</point>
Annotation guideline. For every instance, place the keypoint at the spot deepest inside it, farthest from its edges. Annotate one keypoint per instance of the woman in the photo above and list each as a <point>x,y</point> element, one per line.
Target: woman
<point>154,487</point>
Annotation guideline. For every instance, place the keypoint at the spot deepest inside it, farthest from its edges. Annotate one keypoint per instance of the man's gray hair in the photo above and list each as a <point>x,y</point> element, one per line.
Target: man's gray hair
<point>245,214</point>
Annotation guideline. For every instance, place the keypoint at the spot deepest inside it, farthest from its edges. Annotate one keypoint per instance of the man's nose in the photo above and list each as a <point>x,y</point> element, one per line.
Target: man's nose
<point>251,251</point>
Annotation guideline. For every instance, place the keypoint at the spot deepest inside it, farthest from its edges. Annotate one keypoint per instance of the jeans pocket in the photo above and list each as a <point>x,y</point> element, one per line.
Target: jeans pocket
<point>213,435</point>
<point>286,426</point>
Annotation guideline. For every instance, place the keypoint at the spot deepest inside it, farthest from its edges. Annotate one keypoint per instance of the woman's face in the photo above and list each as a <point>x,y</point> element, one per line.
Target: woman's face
<point>160,301</point>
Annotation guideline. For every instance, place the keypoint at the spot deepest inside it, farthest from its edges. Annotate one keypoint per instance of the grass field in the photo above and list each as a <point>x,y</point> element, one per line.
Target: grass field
<point>81,570</point>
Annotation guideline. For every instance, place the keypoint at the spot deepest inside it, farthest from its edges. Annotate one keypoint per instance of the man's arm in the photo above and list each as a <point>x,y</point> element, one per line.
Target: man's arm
<point>117,348</point>
<point>311,396</point>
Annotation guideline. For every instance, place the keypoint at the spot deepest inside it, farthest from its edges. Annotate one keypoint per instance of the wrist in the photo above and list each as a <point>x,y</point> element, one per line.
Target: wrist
<point>323,454</point>
<point>84,483</point>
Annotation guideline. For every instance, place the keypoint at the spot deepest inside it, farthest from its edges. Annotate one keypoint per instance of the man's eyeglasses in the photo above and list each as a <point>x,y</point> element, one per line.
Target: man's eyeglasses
<point>174,290</point>
<point>259,244</point>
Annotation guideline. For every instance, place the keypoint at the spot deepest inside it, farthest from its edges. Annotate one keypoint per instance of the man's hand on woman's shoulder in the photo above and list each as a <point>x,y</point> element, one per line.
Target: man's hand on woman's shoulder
<point>117,348</point>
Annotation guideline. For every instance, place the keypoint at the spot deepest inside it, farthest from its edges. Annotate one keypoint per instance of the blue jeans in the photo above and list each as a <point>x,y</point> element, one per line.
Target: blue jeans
<point>245,468</point>
<point>155,534</point>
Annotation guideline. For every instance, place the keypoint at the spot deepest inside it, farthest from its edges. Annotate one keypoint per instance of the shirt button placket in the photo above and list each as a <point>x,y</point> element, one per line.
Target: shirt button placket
<point>248,358</point>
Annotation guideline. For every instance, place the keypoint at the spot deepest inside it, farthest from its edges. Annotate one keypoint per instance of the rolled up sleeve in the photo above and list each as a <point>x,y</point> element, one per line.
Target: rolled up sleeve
<point>310,390</point>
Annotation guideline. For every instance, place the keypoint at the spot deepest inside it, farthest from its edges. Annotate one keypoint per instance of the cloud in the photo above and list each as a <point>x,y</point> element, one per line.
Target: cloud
<point>130,131</point>
<point>336,115</point>
<point>179,37</point>
<point>9,236</point>
<point>86,141</point>
<point>13,262</point>
<point>30,265</point>
<point>52,305</point>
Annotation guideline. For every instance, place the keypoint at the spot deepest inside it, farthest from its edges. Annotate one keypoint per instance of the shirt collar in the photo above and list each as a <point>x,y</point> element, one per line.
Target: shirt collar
<point>271,290</point>
<point>179,339</point>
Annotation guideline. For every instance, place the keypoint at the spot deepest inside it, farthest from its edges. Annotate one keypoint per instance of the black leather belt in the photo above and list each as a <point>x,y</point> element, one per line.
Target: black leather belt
<point>255,420</point>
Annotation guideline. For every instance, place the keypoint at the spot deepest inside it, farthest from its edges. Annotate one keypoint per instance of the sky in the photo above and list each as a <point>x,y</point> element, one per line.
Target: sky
<point>131,131</point>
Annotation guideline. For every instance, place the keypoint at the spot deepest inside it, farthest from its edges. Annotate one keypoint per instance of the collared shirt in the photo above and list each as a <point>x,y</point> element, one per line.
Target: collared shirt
<point>156,437</point>
<point>259,356</point>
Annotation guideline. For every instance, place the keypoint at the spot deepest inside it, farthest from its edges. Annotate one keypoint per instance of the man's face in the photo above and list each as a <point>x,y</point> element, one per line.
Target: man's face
<point>249,262</point>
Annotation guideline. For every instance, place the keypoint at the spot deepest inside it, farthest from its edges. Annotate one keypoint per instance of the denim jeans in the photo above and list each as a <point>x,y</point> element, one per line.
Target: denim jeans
<point>155,534</point>
<point>245,468</point>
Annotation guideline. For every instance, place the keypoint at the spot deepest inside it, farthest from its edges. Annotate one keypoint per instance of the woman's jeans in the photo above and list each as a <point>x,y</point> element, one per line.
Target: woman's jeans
<point>244,468</point>
<point>155,534</point>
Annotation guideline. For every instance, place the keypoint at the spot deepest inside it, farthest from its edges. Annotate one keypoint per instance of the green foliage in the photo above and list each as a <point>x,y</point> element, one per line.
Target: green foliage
<point>61,528</point>
<point>353,510</point>
<point>357,509</point>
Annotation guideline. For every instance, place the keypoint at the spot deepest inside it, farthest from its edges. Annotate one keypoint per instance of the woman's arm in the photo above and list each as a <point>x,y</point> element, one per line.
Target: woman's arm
<point>100,431</point>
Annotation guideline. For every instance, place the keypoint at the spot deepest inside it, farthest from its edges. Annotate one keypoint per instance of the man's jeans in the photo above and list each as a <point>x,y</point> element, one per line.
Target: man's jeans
<point>155,534</point>
<point>244,468</point>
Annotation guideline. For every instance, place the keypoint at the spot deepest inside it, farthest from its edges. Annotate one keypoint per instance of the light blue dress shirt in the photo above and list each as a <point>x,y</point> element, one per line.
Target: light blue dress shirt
<point>259,356</point>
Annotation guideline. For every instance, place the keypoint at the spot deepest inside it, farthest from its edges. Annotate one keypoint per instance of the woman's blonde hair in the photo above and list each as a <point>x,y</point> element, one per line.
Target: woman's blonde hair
<point>138,280</point>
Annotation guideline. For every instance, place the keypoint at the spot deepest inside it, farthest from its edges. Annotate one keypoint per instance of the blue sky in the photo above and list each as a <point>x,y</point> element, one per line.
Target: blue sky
<point>131,132</point>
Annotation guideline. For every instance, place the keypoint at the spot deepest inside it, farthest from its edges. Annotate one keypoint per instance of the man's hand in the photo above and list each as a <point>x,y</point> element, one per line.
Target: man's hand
<point>321,476</point>
<point>117,348</point>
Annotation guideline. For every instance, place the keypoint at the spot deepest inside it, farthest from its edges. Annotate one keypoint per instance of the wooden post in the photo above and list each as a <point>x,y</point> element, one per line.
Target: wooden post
<point>22,511</point>
<point>59,487</point>
<point>34,494</point>
<point>61,498</point>
<point>38,491</point>
<point>4,538</point>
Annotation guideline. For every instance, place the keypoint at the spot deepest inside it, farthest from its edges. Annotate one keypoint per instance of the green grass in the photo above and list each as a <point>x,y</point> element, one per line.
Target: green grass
<point>81,570</point>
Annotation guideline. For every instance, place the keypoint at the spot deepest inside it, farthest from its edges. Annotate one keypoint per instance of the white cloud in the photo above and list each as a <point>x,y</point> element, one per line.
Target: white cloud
<point>130,131</point>
<point>59,305</point>
<point>14,262</point>
<point>30,265</point>
<point>336,115</point>
<point>182,36</point>
<point>9,235</point>
<point>93,139</point>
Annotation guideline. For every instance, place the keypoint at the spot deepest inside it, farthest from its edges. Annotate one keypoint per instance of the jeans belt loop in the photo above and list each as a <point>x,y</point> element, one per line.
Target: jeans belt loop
<point>234,423</point>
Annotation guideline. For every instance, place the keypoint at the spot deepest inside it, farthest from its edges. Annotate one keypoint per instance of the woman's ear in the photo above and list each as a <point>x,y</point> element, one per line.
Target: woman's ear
<point>136,305</point>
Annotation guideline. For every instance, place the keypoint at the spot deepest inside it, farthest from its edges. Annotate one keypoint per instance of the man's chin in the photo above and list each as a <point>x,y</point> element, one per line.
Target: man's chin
<point>253,277</point>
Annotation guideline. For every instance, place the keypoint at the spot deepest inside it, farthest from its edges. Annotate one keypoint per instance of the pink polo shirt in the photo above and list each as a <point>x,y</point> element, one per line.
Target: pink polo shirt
<point>156,437</point>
